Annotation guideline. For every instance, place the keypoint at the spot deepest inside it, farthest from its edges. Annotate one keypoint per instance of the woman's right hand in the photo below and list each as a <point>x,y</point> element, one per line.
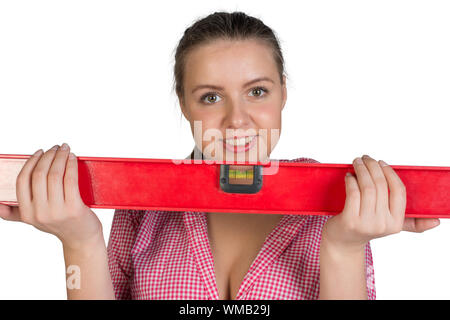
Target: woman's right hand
<point>49,199</point>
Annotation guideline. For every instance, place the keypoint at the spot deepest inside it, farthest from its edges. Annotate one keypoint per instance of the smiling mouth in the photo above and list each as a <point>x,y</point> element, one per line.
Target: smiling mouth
<point>240,144</point>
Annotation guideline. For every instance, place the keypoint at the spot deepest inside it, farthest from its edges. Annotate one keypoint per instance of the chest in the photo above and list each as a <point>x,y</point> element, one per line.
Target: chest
<point>235,243</point>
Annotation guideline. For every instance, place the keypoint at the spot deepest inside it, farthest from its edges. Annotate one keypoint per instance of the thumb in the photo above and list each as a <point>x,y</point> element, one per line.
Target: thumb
<point>71,188</point>
<point>352,195</point>
<point>420,224</point>
<point>9,213</point>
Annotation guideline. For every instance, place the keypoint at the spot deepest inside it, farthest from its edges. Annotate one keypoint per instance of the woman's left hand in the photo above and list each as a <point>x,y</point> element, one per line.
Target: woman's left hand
<point>369,211</point>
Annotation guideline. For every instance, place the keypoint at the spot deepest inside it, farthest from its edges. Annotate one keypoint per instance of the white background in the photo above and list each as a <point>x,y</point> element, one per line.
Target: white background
<point>363,77</point>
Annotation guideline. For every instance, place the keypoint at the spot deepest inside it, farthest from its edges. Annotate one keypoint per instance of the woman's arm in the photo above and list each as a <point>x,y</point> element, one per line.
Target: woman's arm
<point>49,199</point>
<point>342,272</point>
<point>369,212</point>
<point>87,272</point>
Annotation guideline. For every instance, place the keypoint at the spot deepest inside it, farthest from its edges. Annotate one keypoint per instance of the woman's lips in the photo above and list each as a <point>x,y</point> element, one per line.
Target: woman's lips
<point>240,148</point>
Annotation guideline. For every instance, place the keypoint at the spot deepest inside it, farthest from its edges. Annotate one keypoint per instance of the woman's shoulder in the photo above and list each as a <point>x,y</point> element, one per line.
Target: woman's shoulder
<point>135,219</point>
<point>132,218</point>
<point>301,159</point>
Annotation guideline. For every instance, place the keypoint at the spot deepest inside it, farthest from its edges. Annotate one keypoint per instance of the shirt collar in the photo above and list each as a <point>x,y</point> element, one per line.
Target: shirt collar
<point>274,245</point>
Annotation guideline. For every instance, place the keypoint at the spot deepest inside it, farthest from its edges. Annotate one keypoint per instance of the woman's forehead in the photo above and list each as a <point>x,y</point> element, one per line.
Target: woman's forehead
<point>236,61</point>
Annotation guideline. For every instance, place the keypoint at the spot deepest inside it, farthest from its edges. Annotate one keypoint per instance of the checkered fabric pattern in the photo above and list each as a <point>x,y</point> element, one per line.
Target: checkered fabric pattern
<point>166,255</point>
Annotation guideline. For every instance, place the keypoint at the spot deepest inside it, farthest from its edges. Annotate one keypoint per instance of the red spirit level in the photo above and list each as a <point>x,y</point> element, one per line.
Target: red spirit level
<point>296,188</point>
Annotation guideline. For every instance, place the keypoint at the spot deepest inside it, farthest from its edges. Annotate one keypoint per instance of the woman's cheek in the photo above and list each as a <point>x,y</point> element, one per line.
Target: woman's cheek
<point>269,118</point>
<point>210,138</point>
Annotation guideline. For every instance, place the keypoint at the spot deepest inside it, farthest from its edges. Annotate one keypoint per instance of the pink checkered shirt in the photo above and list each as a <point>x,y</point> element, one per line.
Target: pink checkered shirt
<point>166,255</point>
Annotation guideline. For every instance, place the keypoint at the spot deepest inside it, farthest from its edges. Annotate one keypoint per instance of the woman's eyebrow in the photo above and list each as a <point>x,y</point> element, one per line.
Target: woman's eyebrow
<point>221,88</point>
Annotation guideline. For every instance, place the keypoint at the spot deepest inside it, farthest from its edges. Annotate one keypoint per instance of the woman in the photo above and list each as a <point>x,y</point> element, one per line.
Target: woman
<point>229,77</point>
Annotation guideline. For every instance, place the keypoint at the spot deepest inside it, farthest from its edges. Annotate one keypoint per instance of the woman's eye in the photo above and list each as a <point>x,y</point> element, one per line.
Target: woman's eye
<point>258,91</point>
<point>210,98</point>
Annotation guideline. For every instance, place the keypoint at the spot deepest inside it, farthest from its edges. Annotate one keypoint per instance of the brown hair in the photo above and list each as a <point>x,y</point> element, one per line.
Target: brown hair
<point>227,26</point>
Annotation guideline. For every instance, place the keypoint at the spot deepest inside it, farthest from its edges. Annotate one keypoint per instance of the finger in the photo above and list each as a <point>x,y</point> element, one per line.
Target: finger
<point>23,182</point>
<point>367,188</point>
<point>381,185</point>
<point>39,176</point>
<point>397,197</point>
<point>9,213</point>
<point>352,196</point>
<point>423,224</point>
<point>56,174</point>
<point>71,189</point>
<point>420,224</point>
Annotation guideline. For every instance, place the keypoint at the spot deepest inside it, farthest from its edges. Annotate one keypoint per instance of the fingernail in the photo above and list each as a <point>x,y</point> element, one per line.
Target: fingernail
<point>55,147</point>
<point>382,163</point>
<point>72,156</point>
<point>64,146</point>
<point>358,160</point>
<point>38,152</point>
<point>348,174</point>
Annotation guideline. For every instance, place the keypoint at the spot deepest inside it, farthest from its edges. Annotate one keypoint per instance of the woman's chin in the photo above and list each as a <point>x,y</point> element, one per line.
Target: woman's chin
<point>250,153</point>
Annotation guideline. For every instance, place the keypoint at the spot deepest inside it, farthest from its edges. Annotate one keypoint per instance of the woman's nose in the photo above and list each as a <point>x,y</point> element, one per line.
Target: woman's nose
<point>236,116</point>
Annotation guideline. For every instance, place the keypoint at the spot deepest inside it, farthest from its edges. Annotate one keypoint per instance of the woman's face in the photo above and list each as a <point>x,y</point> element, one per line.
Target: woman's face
<point>232,89</point>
